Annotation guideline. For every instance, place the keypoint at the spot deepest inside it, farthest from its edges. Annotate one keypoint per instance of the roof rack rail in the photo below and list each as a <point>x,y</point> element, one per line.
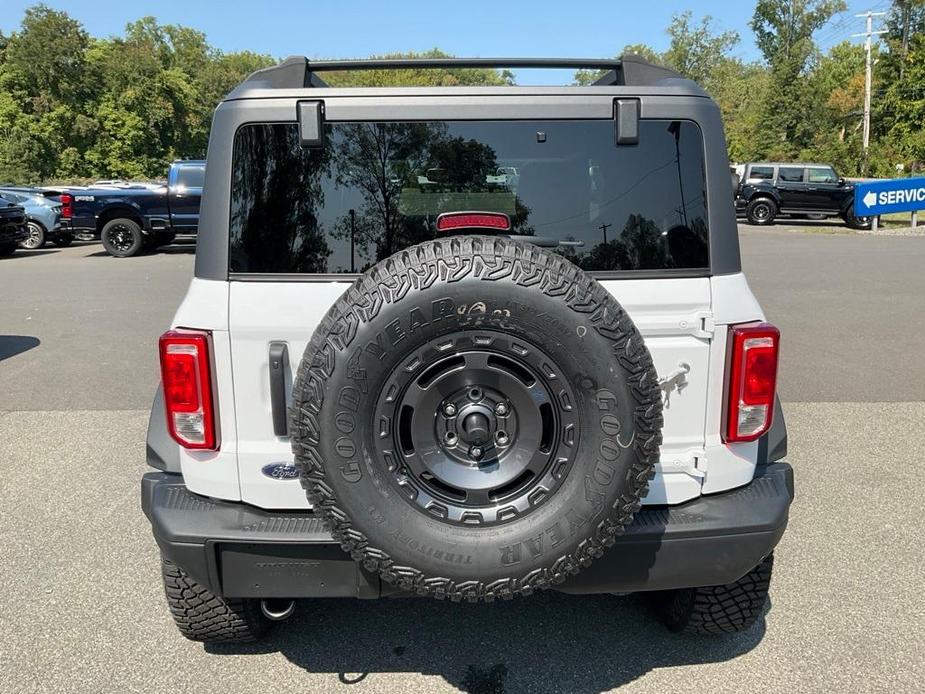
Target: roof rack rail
<point>298,72</point>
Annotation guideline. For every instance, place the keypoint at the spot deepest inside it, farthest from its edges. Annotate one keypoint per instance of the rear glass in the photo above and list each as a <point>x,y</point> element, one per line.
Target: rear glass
<point>377,188</point>
<point>762,173</point>
<point>191,176</point>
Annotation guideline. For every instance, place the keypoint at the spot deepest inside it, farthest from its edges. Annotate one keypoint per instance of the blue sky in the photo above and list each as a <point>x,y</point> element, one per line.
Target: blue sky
<point>474,28</point>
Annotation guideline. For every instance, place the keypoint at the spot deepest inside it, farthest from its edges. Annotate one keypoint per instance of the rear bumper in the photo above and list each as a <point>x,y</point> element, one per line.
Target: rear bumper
<point>237,550</point>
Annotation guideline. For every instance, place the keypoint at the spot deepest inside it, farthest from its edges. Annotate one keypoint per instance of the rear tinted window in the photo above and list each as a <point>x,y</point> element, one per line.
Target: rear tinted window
<point>376,188</point>
<point>761,173</point>
<point>790,174</point>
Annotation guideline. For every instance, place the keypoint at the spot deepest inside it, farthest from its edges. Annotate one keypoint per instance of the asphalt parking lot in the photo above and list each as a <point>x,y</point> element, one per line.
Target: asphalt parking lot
<point>82,607</point>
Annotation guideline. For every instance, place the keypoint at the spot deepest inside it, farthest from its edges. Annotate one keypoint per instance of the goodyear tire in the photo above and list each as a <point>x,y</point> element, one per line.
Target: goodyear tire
<point>725,609</point>
<point>203,616</point>
<point>476,418</point>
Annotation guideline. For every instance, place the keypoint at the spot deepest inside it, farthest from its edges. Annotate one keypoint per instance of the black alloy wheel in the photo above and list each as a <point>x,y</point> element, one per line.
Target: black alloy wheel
<point>122,238</point>
<point>476,434</point>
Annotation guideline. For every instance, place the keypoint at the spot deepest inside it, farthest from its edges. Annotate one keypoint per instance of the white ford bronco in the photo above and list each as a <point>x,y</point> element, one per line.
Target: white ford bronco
<point>471,390</point>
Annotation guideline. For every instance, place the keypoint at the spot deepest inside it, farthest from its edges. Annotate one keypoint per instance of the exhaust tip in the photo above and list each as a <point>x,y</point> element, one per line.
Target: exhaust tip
<point>276,609</point>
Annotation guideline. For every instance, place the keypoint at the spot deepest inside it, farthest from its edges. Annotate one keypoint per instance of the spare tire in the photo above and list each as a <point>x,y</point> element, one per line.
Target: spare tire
<point>476,418</point>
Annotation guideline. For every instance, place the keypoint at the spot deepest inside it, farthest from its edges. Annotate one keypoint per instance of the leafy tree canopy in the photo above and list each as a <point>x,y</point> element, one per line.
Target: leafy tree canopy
<point>75,107</point>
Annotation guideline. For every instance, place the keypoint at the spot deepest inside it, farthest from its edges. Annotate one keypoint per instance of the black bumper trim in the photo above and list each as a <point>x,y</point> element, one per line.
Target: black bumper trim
<point>238,550</point>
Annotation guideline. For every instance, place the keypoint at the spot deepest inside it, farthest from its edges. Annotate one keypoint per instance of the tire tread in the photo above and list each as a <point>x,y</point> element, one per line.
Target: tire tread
<point>726,609</point>
<point>202,616</point>
<point>488,259</point>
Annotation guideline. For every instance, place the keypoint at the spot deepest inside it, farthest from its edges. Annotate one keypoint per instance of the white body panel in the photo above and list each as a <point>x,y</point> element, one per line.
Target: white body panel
<point>213,473</point>
<point>682,320</point>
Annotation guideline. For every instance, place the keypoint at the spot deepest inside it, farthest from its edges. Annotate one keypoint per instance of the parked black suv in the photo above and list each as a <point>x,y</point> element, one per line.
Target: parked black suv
<point>12,227</point>
<point>768,189</point>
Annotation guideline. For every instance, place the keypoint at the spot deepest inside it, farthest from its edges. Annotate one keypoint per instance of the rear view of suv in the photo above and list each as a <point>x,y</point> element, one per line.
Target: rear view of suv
<point>767,190</point>
<point>476,387</point>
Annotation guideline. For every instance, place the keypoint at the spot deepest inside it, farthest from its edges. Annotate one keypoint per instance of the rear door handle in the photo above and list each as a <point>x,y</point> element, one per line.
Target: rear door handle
<point>279,362</point>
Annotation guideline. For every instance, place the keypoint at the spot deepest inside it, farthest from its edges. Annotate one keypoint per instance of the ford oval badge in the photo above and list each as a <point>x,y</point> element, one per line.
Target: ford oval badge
<point>281,471</point>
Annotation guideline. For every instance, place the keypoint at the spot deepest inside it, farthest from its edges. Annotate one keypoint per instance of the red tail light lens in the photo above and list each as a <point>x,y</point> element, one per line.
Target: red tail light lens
<point>186,377</point>
<point>752,372</point>
<point>67,206</point>
<point>496,221</point>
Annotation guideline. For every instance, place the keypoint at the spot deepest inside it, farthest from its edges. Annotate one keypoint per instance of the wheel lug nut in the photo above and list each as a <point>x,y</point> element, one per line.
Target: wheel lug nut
<point>475,452</point>
<point>500,409</point>
<point>449,409</point>
<point>502,438</point>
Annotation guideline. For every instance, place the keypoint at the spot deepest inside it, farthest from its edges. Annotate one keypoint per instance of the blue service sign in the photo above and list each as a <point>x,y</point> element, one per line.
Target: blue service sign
<point>883,197</point>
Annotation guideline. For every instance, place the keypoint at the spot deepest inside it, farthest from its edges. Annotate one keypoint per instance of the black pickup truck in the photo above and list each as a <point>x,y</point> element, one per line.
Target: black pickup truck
<point>130,218</point>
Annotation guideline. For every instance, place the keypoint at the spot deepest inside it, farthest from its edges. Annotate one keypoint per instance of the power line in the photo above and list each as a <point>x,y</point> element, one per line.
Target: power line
<point>840,28</point>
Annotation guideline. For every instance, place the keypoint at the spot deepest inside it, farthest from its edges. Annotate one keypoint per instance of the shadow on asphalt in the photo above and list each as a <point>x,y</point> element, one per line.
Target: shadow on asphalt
<point>11,345</point>
<point>550,642</point>
<point>174,249</point>
<point>790,223</point>
<point>26,253</point>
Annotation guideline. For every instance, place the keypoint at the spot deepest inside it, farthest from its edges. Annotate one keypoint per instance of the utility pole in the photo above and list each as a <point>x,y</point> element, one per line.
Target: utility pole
<point>869,16</point>
<point>604,228</point>
<point>353,230</point>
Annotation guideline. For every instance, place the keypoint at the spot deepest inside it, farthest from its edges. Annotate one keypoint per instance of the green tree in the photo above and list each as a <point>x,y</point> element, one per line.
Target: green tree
<point>419,77</point>
<point>42,87</point>
<point>585,77</point>
<point>698,51</point>
<point>76,107</point>
<point>784,34</point>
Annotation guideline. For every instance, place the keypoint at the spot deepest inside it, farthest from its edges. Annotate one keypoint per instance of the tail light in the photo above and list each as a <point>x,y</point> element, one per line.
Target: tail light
<point>496,221</point>
<point>67,205</point>
<point>752,373</point>
<point>186,377</point>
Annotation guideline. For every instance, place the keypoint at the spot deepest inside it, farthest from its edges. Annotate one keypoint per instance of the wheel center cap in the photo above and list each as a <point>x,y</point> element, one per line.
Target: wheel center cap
<point>476,429</point>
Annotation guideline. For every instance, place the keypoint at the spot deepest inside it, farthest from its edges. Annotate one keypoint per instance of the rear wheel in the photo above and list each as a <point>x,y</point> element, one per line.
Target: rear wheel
<point>202,616</point>
<point>122,238</point>
<point>761,211</point>
<point>717,609</point>
<point>64,240</point>
<point>36,237</point>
